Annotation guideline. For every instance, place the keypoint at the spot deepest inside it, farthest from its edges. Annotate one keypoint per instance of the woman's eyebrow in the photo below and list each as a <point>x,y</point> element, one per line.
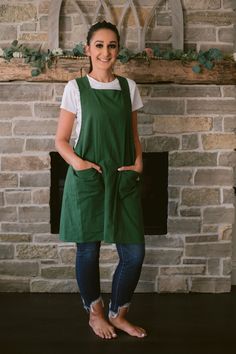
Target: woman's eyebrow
<point>100,41</point>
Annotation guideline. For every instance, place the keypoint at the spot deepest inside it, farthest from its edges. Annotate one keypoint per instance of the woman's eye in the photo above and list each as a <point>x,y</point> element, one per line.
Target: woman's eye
<point>99,45</point>
<point>112,46</point>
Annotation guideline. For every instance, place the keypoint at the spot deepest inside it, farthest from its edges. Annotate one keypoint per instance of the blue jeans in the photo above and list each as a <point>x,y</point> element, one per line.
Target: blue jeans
<point>125,278</point>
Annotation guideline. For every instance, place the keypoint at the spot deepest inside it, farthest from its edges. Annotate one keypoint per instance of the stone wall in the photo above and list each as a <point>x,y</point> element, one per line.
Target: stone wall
<point>208,23</point>
<point>195,123</point>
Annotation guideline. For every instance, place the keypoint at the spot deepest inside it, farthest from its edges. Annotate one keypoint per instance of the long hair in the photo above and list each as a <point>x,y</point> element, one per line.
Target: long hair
<point>97,26</point>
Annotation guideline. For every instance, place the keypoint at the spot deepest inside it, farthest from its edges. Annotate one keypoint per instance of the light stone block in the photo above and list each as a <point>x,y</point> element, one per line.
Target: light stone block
<point>26,92</point>
<point>164,107</point>
<point>8,33</point>
<point>193,158</point>
<point>34,213</point>
<point>18,197</point>
<point>219,141</point>
<point>213,266</point>
<point>19,268</point>
<point>181,124</point>
<point>183,270</point>
<point>161,143</point>
<point>218,215</point>
<point>38,179</point>
<point>67,255</point>
<point>6,251</point>
<point>36,251</point>
<point>200,196</point>
<point>164,241</point>
<point>190,142</point>
<point>211,284</point>
<point>227,159</point>
<point>46,110</point>
<point>35,227</point>
<point>174,90</point>
<point>162,256</point>
<point>214,18</point>
<point>25,163</point>
<point>8,214</point>
<point>178,177</point>
<point>184,225</point>
<point>15,237</point>
<point>58,272</point>
<point>41,196</point>
<point>210,106</point>
<point>213,250</point>
<point>14,110</point>
<point>17,12</point>
<point>53,286</point>
<point>201,4</point>
<point>35,127</point>
<point>173,284</point>
<point>214,177</point>
<point>11,145</point>
<point>5,128</point>
<point>11,284</point>
<point>40,144</point>
<point>8,180</point>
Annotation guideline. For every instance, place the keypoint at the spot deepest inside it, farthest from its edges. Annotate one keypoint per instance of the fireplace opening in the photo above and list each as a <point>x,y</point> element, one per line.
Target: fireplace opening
<point>154,191</point>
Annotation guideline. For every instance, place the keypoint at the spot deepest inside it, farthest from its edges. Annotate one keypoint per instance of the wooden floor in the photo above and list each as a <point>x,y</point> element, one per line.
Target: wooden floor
<point>176,323</point>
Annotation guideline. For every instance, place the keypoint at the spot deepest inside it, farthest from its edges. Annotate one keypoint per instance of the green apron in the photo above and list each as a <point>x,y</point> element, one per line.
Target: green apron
<point>103,207</point>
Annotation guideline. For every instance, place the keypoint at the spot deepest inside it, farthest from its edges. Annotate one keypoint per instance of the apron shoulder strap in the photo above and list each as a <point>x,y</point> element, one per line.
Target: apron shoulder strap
<point>82,82</point>
<point>126,92</point>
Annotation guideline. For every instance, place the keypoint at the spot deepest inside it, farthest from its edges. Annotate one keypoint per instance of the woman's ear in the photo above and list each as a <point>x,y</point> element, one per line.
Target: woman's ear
<point>87,50</point>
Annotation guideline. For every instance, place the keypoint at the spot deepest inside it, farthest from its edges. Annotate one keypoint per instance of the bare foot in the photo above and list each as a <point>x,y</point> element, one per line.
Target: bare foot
<point>120,322</point>
<point>99,324</point>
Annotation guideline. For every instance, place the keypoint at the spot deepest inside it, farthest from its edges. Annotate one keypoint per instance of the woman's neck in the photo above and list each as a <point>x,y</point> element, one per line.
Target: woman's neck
<point>102,76</point>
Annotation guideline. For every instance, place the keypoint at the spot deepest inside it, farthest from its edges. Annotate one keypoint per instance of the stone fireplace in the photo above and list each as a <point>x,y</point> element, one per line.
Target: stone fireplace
<point>194,123</point>
<point>190,116</point>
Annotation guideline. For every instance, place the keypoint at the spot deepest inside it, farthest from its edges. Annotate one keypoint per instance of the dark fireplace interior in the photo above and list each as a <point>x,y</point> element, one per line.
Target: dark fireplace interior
<point>154,191</point>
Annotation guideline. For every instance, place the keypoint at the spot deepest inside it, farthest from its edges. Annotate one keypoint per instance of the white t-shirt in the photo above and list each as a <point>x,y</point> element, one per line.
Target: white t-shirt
<point>71,97</point>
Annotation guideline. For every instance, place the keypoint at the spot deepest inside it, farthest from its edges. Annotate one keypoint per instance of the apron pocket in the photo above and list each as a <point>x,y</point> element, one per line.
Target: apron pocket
<point>86,198</point>
<point>129,183</point>
<point>89,173</point>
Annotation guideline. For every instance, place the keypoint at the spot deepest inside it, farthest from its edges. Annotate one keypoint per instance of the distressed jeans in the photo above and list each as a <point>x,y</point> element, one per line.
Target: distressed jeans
<point>125,278</point>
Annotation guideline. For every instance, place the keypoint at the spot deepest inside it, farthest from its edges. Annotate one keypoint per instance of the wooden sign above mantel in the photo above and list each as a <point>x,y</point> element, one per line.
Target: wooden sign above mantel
<point>140,70</point>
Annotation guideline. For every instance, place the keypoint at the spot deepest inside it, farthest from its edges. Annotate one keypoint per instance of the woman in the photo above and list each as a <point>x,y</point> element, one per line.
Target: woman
<point>101,200</point>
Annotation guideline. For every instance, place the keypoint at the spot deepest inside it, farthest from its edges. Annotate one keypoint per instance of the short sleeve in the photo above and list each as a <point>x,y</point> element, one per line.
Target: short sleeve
<point>69,98</point>
<point>135,97</point>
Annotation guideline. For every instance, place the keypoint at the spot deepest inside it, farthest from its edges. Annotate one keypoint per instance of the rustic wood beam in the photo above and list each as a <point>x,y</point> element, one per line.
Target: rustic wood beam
<point>157,71</point>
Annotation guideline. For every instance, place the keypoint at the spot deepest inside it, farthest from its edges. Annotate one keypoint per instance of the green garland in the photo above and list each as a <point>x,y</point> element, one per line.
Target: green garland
<point>39,60</point>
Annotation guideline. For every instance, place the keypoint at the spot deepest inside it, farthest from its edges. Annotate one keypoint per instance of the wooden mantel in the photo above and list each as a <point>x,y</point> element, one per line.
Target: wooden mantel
<point>155,71</point>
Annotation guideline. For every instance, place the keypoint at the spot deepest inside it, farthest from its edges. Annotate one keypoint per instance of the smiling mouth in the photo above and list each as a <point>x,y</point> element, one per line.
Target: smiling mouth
<point>104,60</point>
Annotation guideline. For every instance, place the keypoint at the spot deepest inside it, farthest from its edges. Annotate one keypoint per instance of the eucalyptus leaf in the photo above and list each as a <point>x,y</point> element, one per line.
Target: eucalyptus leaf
<point>209,65</point>
<point>196,69</point>
<point>35,72</point>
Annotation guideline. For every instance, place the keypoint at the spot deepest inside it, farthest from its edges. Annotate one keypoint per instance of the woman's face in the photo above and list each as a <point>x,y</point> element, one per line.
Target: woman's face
<point>103,49</point>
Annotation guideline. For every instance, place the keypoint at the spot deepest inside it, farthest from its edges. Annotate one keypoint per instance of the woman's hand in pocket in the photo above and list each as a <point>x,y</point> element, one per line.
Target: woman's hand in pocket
<point>80,164</point>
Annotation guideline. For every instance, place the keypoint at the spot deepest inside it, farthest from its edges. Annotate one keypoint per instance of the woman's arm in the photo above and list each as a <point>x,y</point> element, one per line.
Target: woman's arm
<point>63,134</point>
<point>138,165</point>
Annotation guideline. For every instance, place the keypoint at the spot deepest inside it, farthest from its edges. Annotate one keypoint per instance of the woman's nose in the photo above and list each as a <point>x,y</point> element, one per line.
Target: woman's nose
<point>105,50</point>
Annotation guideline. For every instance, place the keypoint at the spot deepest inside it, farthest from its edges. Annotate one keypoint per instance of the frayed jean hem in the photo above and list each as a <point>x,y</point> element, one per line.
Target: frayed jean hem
<point>93,303</point>
<point>114,314</point>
